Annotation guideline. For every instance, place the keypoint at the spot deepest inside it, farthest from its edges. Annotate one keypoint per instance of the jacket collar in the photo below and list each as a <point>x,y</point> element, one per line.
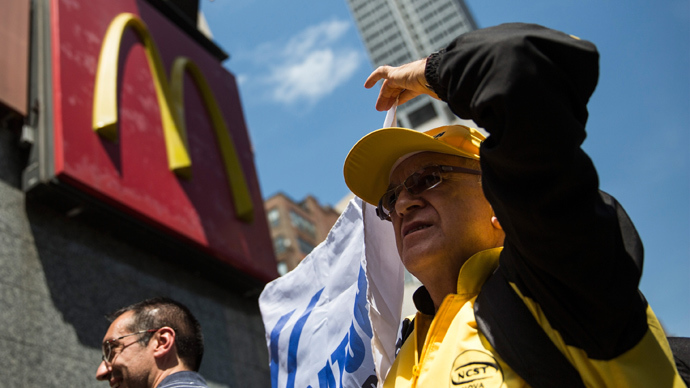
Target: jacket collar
<point>473,274</point>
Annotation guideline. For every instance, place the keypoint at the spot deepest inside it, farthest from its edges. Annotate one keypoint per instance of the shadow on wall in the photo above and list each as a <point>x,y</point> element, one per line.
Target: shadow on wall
<point>90,271</point>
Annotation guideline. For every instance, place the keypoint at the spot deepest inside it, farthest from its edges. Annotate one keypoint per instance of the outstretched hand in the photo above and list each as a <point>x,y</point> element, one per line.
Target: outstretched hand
<point>403,83</point>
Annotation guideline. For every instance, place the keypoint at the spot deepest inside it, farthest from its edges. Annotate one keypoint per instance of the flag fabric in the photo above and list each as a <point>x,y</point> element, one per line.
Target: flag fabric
<point>334,320</point>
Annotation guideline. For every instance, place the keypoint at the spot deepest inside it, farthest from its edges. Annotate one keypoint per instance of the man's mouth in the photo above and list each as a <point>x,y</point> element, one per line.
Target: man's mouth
<point>413,228</point>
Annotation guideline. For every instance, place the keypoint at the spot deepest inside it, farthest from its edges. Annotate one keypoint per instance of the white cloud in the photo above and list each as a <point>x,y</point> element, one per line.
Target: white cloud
<point>317,75</point>
<point>309,66</point>
<point>320,35</point>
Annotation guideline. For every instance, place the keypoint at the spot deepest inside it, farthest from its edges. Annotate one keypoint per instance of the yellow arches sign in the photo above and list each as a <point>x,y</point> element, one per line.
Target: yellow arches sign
<point>171,103</point>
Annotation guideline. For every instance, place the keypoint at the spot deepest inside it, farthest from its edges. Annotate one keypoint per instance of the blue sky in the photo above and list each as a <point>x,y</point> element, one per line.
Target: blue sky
<point>301,68</point>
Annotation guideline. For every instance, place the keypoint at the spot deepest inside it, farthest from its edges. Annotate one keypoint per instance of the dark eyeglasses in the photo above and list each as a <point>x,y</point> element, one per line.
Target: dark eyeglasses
<point>109,345</point>
<point>417,183</point>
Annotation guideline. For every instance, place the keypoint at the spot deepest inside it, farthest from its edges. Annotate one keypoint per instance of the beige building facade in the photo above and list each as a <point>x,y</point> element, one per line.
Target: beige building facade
<point>297,227</point>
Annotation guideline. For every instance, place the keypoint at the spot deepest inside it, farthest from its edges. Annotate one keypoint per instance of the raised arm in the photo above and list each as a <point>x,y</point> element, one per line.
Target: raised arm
<point>568,246</point>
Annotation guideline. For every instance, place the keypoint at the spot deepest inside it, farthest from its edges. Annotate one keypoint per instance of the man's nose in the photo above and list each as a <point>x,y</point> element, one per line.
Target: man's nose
<point>103,372</point>
<point>406,202</point>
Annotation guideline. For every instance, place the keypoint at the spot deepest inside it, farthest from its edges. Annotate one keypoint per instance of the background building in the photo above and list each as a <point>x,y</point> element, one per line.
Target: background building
<point>395,32</point>
<point>71,252</point>
<point>297,227</point>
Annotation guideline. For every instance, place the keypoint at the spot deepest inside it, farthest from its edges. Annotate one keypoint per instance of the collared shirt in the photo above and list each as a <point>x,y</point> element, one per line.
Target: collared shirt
<point>184,379</point>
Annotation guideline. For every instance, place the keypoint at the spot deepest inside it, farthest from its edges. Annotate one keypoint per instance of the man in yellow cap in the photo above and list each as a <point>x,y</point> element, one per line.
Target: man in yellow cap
<point>549,295</point>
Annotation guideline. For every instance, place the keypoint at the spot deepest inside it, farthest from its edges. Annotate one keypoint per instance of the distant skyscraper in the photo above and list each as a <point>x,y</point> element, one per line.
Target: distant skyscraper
<point>400,31</point>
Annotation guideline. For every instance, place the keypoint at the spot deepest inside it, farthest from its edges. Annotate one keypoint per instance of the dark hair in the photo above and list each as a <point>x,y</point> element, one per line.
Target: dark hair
<point>159,312</point>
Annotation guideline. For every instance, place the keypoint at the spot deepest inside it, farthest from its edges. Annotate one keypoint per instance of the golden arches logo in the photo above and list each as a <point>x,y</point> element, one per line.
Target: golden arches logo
<point>171,104</point>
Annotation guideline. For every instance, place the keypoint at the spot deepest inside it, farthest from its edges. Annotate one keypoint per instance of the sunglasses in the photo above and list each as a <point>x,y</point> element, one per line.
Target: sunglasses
<point>417,183</point>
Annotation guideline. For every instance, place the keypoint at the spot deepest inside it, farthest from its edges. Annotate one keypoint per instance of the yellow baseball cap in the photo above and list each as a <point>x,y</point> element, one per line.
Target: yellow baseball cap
<point>369,163</point>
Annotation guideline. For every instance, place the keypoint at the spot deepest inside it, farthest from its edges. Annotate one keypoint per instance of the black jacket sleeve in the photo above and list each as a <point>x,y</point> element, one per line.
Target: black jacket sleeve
<point>568,246</point>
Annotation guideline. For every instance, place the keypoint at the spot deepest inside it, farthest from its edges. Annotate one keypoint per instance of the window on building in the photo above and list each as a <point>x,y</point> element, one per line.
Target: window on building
<point>304,246</point>
<point>302,224</point>
<point>282,268</point>
<point>405,58</point>
<point>280,244</point>
<point>422,115</point>
<point>273,216</point>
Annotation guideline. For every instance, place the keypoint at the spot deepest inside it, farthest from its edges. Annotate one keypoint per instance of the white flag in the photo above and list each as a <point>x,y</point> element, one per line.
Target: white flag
<point>333,321</point>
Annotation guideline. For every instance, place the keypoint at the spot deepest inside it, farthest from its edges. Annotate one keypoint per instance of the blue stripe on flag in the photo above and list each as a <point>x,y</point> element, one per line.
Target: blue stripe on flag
<point>360,310</point>
<point>294,339</point>
<point>275,336</point>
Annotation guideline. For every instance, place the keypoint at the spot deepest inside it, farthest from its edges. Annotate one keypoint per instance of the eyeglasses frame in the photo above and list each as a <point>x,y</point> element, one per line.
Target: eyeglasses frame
<point>110,341</point>
<point>380,209</point>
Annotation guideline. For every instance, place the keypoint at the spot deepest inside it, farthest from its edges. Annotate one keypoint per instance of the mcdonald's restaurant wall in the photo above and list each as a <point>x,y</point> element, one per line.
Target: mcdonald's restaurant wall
<point>62,269</point>
<point>60,274</point>
<point>150,123</point>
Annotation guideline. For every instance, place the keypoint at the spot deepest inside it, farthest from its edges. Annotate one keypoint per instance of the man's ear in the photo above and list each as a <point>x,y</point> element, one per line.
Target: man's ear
<point>163,341</point>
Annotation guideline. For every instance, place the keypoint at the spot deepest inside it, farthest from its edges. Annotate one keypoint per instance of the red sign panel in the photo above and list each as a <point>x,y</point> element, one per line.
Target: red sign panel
<point>148,121</point>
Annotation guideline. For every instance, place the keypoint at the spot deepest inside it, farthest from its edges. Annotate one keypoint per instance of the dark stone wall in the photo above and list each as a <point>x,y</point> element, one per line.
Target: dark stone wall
<point>60,273</point>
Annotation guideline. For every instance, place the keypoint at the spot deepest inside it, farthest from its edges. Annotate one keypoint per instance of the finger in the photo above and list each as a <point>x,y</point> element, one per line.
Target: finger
<point>387,95</point>
<point>384,103</point>
<point>386,100</point>
<point>406,96</point>
<point>381,72</point>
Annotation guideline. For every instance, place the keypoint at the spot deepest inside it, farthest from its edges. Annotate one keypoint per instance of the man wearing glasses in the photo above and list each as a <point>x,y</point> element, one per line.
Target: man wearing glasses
<point>559,304</point>
<point>156,343</point>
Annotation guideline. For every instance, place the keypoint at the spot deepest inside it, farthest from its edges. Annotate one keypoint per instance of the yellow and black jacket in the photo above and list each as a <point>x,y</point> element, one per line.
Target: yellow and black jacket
<point>571,256</point>
<point>448,348</point>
